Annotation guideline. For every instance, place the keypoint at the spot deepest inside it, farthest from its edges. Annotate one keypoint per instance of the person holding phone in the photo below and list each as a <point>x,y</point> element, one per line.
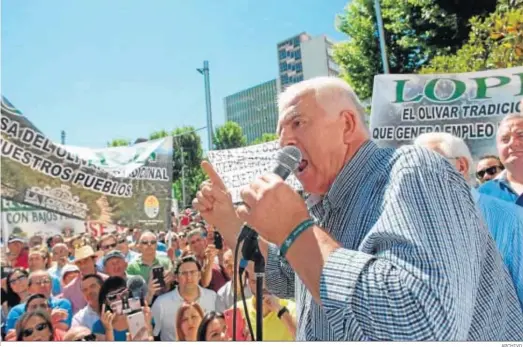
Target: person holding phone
<point>142,266</point>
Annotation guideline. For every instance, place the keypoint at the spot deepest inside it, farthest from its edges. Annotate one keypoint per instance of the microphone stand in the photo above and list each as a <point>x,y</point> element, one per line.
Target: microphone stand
<point>251,252</point>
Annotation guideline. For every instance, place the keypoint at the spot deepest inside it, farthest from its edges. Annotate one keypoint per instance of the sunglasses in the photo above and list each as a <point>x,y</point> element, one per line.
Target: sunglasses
<point>90,337</point>
<point>38,327</point>
<point>490,170</point>
<point>150,243</point>
<point>122,240</point>
<point>112,245</point>
<point>43,306</point>
<point>18,279</point>
<point>41,282</point>
<point>117,295</point>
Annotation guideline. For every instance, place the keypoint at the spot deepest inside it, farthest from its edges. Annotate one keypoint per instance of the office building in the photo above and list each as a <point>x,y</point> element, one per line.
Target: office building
<point>254,109</point>
<point>303,57</point>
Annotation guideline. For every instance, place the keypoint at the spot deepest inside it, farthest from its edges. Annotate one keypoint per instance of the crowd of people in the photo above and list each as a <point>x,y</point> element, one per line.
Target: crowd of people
<point>76,288</point>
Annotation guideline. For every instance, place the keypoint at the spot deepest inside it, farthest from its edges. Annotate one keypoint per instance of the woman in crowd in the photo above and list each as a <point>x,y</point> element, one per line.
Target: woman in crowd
<point>17,288</point>
<point>37,302</point>
<point>35,326</point>
<point>213,327</point>
<point>188,320</point>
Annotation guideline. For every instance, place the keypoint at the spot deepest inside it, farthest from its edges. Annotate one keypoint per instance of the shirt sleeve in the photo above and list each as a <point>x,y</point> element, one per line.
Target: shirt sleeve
<point>13,316</point>
<point>156,311</point>
<point>279,275</point>
<point>414,279</point>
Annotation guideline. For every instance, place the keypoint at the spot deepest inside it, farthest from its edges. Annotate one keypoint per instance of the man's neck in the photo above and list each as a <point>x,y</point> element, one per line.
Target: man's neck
<point>190,294</point>
<point>91,272</point>
<point>515,177</point>
<point>148,260</point>
<point>266,310</point>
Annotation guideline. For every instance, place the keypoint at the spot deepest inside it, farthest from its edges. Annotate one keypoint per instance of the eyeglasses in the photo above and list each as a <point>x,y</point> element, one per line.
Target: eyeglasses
<point>38,327</point>
<point>43,306</point>
<point>112,245</point>
<point>42,282</point>
<point>188,273</point>
<point>117,295</point>
<point>490,170</point>
<point>90,337</point>
<point>123,240</point>
<point>18,279</point>
<point>150,243</point>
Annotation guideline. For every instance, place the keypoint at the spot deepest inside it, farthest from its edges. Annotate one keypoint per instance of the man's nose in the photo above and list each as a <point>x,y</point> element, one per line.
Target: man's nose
<point>287,138</point>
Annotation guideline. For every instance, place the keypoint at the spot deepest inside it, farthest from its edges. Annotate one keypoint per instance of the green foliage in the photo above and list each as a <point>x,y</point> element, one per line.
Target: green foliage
<point>265,138</point>
<point>118,143</point>
<point>494,42</point>
<point>229,135</point>
<point>415,32</point>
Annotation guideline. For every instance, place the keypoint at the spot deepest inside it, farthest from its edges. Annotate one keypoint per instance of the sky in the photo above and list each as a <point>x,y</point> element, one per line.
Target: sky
<point>102,70</point>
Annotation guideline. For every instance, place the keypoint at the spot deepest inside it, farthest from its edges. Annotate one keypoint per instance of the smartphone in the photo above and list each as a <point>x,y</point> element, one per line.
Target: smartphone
<point>136,325</point>
<point>240,324</point>
<point>158,275</point>
<point>6,270</point>
<point>218,241</point>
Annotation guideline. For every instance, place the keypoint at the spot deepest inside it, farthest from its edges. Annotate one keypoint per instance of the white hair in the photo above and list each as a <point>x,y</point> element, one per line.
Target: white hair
<point>331,94</point>
<point>510,117</point>
<point>450,145</point>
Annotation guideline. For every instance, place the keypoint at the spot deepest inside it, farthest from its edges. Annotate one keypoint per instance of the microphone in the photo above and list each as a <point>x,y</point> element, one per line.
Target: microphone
<point>136,286</point>
<point>288,159</point>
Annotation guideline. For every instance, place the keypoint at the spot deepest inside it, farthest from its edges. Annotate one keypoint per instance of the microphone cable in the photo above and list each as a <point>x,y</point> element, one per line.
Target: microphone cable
<point>235,297</point>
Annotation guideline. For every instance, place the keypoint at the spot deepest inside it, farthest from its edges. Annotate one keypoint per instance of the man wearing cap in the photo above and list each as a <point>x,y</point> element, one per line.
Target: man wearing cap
<point>84,258</point>
<point>69,273</point>
<point>18,249</point>
<point>40,283</point>
<point>36,240</point>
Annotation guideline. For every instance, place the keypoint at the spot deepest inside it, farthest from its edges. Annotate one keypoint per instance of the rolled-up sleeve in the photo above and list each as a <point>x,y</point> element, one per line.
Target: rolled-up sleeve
<point>410,279</point>
<point>279,275</point>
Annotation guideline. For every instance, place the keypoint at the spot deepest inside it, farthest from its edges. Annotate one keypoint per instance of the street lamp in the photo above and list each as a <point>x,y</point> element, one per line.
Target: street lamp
<point>381,32</point>
<point>205,73</point>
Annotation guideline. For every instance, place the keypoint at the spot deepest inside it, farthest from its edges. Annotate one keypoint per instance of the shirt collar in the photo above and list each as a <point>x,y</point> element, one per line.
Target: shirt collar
<point>348,176</point>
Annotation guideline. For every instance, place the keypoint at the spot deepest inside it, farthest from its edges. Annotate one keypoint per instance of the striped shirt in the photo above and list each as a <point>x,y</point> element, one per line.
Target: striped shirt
<point>417,261</point>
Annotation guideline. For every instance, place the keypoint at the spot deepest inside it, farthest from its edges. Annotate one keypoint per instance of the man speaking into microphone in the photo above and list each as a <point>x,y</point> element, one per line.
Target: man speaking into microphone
<point>389,246</point>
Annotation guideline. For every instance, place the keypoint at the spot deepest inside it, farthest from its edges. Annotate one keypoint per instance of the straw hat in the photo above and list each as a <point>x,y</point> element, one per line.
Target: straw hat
<point>84,252</point>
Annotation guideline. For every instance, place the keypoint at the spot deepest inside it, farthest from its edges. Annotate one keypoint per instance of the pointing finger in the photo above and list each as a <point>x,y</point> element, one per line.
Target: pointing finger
<point>213,175</point>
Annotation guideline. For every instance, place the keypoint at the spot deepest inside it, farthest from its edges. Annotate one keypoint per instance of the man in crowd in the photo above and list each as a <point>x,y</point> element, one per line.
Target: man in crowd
<point>107,243</point>
<point>225,298</point>
<point>84,258</point>
<point>164,309</point>
<point>18,251</point>
<point>60,256</point>
<point>508,185</point>
<point>504,220</point>
<point>123,246</point>
<point>87,316</point>
<point>389,244</point>
<point>39,283</point>
<point>38,261</point>
<point>149,259</point>
<point>213,276</point>
<point>279,315</point>
<point>489,166</point>
<point>36,240</point>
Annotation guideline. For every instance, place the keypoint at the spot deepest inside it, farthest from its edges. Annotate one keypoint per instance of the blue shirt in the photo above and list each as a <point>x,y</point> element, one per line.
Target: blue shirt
<point>417,262</point>
<point>56,286</point>
<point>160,246</point>
<point>16,312</point>
<point>505,222</point>
<point>500,188</point>
<point>119,335</point>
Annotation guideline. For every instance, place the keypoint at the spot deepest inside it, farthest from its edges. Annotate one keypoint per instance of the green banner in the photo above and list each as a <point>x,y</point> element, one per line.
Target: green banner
<point>128,186</point>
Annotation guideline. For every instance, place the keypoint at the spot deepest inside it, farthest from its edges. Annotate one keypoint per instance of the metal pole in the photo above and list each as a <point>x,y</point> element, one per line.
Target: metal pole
<point>205,73</point>
<point>183,178</point>
<point>63,137</point>
<point>381,32</point>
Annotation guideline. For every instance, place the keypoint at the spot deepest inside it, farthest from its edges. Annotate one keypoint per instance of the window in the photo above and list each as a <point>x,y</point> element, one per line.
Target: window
<point>284,79</point>
<point>297,55</point>
<point>282,53</point>
<point>296,41</point>
<point>299,67</point>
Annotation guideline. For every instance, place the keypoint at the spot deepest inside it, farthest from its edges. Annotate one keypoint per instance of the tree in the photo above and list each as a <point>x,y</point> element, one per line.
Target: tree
<point>415,32</point>
<point>494,42</point>
<point>265,138</point>
<point>229,135</point>
<point>118,143</point>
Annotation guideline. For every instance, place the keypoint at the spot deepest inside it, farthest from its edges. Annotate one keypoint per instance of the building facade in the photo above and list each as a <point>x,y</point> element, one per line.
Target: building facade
<point>254,109</point>
<point>303,57</point>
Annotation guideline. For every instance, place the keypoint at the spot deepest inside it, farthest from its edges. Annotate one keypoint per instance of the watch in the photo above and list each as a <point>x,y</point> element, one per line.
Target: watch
<point>282,311</point>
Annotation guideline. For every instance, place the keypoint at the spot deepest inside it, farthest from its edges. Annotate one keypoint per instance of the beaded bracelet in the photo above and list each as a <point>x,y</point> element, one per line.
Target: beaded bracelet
<point>294,235</point>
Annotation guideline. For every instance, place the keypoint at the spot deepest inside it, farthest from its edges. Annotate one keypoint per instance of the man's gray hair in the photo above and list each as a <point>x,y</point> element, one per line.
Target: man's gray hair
<point>38,273</point>
<point>197,231</point>
<point>147,233</point>
<point>510,117</point>
<point>450,145</point>
<point>331,93</point>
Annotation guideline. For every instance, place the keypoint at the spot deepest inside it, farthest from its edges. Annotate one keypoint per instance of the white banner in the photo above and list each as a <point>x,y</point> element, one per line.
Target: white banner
<point>467,105</point>
<point>240,166</point>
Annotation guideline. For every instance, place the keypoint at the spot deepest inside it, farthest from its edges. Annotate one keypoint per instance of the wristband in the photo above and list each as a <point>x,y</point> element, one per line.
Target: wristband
<point>294,235</point>
<point>282,311</point>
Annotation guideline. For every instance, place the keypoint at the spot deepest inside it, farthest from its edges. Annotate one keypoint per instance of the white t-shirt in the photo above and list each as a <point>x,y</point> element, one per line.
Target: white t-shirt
<point>166,307</point>
<point>86,317</point>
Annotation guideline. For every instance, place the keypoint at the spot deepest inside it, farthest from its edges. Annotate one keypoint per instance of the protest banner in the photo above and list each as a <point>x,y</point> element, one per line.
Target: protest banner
<point>26,221</point>
<point>467,105</point>
<point>240,166</point>
<point>126,186</point>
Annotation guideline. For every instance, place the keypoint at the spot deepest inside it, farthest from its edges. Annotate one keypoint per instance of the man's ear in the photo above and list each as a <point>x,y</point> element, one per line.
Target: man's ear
<point>463,167</point>
<point>349,125</point>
